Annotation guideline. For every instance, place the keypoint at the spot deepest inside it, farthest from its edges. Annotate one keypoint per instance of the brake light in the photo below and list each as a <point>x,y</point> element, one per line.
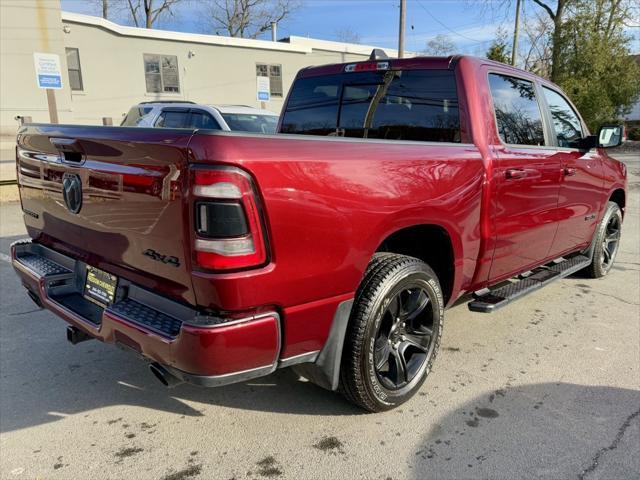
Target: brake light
<point>366,67</point>
<point>229,234</point>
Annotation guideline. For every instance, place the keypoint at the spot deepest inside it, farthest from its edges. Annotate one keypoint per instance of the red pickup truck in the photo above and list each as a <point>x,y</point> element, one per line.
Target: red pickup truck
<point>393,188</point>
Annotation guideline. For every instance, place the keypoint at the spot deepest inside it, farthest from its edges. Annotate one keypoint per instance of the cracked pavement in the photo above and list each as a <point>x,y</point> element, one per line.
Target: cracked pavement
<point>548,387</point>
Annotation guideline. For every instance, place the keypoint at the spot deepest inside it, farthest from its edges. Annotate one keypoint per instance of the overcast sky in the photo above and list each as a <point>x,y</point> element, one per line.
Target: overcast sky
<point>468,23</point>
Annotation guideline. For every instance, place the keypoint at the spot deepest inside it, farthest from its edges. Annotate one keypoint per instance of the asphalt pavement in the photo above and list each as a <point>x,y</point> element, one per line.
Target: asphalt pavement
<point>548,387</point>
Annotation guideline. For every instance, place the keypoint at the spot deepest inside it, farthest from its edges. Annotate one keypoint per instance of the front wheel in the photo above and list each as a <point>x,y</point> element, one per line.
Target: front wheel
<point>394,333</point>
<point>606,242</point>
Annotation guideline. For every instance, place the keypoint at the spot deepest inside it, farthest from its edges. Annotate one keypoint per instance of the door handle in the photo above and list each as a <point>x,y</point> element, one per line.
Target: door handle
<point>69,149</point>
<point>515,173</point>
<point>568,171</point>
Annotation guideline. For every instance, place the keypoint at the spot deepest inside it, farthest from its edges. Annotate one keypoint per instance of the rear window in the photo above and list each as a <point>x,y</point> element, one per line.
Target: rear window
<point>243,122</point>
<point>134,116</point>
<point>419,105</point>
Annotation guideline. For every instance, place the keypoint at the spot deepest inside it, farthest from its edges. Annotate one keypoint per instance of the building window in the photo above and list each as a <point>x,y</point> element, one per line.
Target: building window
<point>75,72</point>
<point>274,72</point>
<point>161,73</point>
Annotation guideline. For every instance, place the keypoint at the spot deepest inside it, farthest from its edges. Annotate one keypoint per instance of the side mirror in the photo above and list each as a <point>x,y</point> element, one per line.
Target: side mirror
<point>610,136</point>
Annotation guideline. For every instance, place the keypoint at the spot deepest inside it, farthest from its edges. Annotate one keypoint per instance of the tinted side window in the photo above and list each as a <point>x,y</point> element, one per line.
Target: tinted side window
<point>517,110</point>
<point>173,119</point>
<point>203,120</point>
<point>565,121</point>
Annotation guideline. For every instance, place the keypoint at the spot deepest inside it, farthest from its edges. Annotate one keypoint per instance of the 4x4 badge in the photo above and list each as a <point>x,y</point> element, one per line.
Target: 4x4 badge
<point>166,259</point>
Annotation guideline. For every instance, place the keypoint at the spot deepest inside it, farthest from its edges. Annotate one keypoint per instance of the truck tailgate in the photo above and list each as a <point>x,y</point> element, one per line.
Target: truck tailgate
<point>114,197</point>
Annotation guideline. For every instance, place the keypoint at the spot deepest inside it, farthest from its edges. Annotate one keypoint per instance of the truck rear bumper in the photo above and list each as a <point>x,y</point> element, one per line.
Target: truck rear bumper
<point>203,350</point>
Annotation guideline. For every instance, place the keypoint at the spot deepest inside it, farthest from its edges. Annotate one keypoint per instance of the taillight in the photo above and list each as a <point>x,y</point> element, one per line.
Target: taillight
<point>229,234</point>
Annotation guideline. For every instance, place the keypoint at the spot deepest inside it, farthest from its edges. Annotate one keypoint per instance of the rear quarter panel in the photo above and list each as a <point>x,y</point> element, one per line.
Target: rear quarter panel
<point>329,204</point>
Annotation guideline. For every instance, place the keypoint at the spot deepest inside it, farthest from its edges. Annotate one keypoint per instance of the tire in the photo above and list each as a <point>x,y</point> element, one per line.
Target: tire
<point>606,242</point>
<point>393,334</point>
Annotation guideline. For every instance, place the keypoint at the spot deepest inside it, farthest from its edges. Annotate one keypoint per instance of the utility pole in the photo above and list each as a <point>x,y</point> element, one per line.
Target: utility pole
<point>403,8</point>
<point>516,31</point>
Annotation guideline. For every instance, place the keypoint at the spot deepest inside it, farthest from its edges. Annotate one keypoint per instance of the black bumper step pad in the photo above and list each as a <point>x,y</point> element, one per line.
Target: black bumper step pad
<point>505,294</point>
<point>41,265</point>
<point>145,316</point>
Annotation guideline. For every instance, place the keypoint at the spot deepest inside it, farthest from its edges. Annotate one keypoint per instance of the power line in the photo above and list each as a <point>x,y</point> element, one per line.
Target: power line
<point>446,27</point>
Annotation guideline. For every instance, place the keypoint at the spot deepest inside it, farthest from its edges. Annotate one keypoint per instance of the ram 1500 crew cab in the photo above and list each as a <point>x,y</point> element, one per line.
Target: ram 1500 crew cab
<point>393,188</point>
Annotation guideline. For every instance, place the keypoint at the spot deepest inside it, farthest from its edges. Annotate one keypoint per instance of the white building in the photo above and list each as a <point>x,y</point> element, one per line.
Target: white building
<point>109,67</point>
<point>106,68</point>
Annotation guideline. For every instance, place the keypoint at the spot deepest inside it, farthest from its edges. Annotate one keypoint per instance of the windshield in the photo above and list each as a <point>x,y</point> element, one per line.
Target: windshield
<point>135,116</point>
<point>244,122</point>
<point>394,105</point>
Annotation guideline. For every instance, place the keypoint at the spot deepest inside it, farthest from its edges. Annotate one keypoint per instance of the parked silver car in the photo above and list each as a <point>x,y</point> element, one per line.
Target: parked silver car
<point>183,114</point>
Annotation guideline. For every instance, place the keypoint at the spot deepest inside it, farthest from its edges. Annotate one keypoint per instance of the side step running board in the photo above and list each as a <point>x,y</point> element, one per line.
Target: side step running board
<point>489,300</point>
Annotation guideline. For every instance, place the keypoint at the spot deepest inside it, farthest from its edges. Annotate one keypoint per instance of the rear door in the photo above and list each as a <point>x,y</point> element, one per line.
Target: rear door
<point>582,177</point>
<point>126,212</point>
<point>526,176</point>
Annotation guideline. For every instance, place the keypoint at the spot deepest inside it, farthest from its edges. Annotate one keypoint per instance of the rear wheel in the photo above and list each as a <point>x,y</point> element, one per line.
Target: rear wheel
<point>606,242</point>
<point>393,334</point>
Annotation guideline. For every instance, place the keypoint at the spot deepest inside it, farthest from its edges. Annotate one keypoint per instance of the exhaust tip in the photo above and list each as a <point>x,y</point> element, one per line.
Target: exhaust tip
<point>164,376</point>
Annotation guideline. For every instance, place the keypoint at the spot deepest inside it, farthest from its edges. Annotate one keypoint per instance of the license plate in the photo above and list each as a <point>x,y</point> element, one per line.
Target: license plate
<point>100,286</point>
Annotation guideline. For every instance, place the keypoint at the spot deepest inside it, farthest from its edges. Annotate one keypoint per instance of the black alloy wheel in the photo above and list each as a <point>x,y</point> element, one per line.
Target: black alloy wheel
<point>404,338</point>
<point>610,242</point>
<point>606,242</point>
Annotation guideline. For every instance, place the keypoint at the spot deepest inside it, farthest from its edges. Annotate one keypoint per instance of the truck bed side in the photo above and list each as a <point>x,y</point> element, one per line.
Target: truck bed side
<point>330,203</point>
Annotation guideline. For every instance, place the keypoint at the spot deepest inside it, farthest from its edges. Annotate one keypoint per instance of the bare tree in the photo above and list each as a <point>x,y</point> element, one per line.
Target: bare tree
<point>147,12</point>
<point>347,35</point>
<point>538,34</point>
<point>440,45</point>
<point>555,13</point>
<point>248,18</point>
<point>103,7</point>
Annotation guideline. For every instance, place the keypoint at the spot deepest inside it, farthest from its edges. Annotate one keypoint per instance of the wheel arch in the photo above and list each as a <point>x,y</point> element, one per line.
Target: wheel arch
<point>619,196</point>
<point>431,243</point>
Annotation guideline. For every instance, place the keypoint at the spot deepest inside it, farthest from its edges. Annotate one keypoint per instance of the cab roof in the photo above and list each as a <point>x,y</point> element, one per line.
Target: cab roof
<point>423,62</point>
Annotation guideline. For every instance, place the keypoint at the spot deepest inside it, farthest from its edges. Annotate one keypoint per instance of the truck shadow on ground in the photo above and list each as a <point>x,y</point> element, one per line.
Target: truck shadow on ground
<point>548,430</point>
<point>58,379</point>
<point>42,373</point>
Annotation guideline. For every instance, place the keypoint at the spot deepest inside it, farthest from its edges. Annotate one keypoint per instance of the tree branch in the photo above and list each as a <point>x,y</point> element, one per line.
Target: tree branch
<point>546,7</point>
